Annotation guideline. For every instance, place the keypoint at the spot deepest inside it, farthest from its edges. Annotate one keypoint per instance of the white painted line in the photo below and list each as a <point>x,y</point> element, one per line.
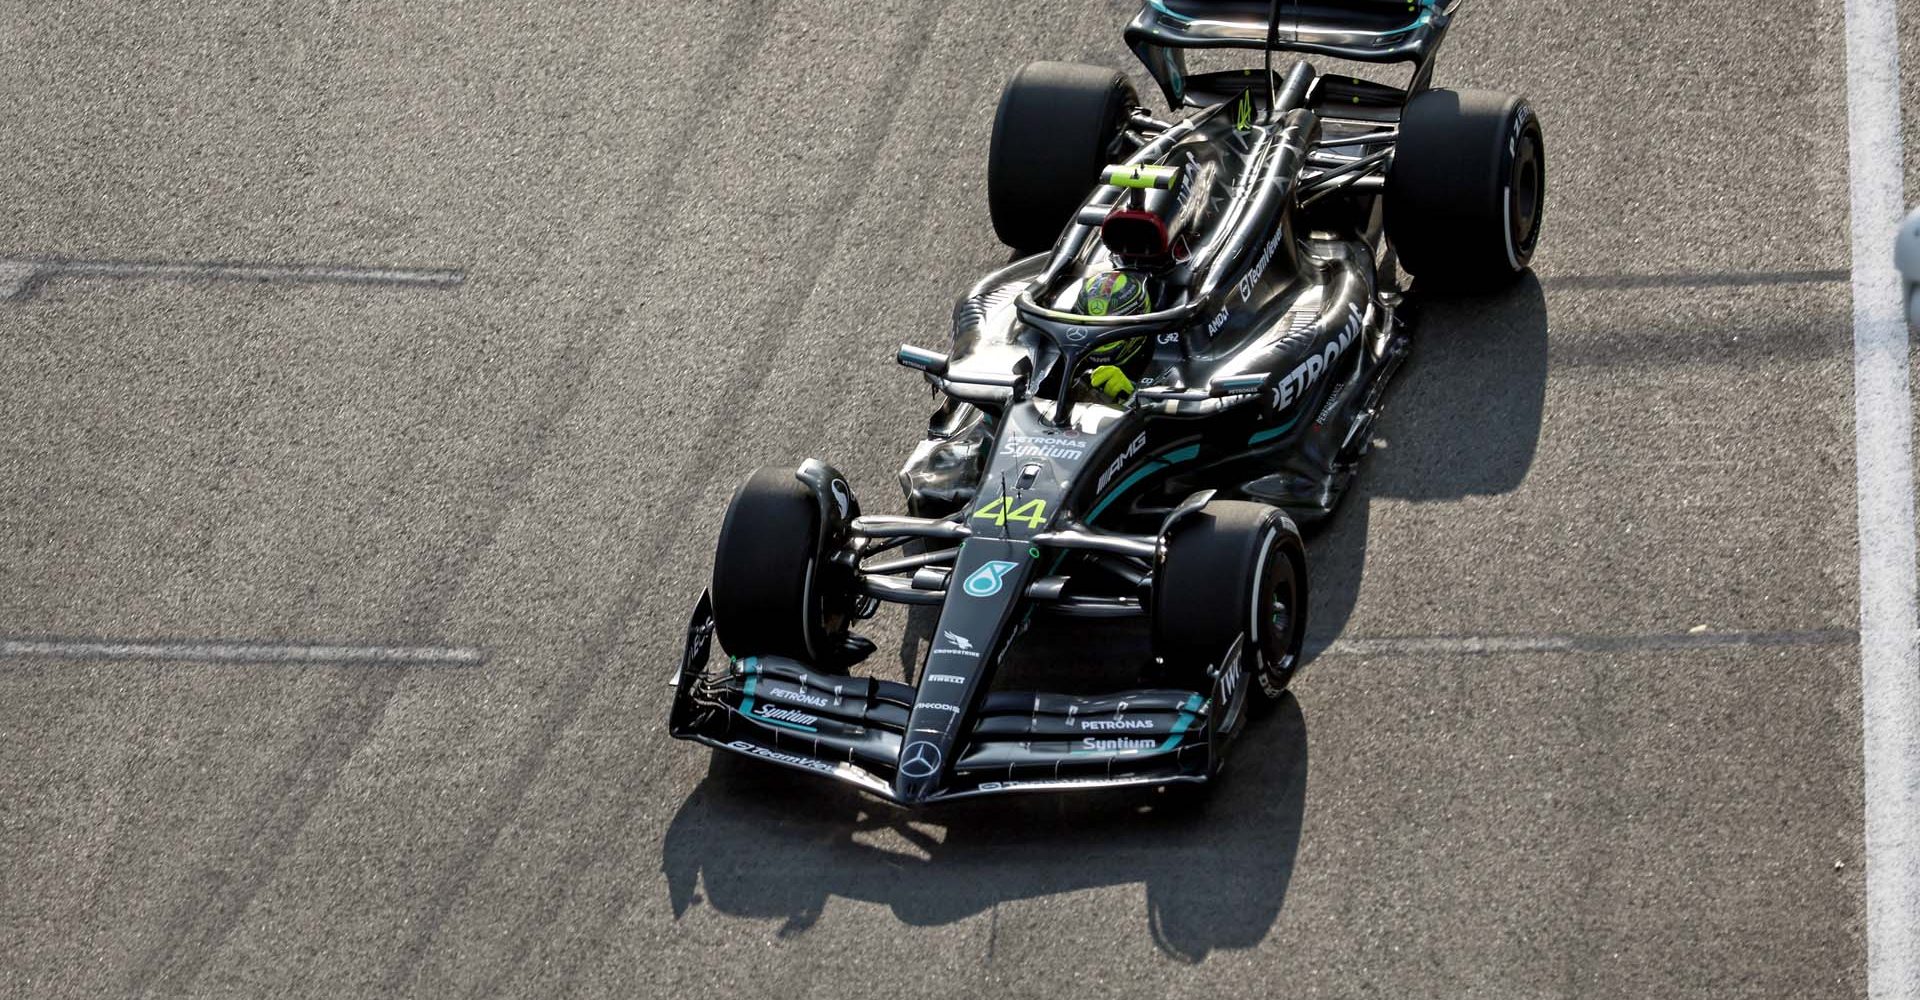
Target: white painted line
<point>1494,645</point>
<point>21,274</point>
<point>238,652</point>
<point>1883,463</point>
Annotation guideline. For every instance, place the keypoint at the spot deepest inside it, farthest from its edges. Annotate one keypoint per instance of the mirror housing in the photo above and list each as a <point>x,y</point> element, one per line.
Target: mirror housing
<point>932,362</point>
<point>1906,256</point>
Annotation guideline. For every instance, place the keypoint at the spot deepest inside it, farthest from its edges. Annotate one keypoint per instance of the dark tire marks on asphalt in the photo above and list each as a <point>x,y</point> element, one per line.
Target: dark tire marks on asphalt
<point>192,936</point>
<point>825,232</point>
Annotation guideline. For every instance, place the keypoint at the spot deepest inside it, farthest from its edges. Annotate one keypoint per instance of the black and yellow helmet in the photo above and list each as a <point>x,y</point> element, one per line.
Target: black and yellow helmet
<point>1115,293</point>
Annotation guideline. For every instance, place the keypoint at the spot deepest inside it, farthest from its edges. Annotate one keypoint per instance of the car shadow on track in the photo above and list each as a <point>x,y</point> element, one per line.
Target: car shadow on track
<point>763,842</point>
<point>1463,420</point>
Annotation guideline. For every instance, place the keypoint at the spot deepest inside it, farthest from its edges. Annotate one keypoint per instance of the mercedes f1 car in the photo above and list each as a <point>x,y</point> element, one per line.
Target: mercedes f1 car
<point>1270,225</point>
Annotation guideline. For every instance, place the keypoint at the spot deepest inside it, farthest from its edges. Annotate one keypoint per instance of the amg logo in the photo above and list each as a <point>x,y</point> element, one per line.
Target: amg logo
<point>785,714</point>
<point>1120,462</point>
<point>798,697</point>
<point>1095,724</point>
<point>1093,744</point>
<point>783,758</point>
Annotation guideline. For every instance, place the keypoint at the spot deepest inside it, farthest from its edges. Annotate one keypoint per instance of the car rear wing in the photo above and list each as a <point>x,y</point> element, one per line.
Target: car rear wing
<point>1368,31</point>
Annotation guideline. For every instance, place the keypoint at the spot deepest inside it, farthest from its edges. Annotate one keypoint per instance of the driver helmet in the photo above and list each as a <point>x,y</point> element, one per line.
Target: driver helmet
<point>1115,293</point>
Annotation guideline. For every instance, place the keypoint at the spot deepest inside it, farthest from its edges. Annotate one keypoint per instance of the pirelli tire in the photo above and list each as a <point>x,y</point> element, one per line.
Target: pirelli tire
<point>775,592</point>
<point>1057,126</point>
<point>1229,570</point>
<point>1466,194</point>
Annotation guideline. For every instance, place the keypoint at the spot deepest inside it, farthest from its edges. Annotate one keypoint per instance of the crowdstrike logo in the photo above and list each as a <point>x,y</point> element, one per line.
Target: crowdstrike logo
<point>962,646</point>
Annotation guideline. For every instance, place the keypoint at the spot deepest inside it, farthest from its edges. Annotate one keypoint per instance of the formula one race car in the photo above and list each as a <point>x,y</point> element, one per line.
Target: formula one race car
<point>1135,415</point>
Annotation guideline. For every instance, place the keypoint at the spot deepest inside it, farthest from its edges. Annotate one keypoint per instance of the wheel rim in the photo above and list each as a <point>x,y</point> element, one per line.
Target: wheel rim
<point>1526,196</point>
<point>1279,604</point>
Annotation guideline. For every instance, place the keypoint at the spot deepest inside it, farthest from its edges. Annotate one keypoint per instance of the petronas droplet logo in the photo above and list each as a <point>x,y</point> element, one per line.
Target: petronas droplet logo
<point>986,581</point>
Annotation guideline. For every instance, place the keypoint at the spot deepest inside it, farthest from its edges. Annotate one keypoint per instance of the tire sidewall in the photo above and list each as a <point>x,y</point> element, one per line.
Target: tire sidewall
<point>1522,124</point>
<point>1189,630</point>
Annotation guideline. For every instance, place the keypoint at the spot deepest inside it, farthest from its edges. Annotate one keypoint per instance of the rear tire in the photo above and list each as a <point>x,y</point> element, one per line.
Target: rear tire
<point>1467,190</point>
<point>1058,124</point>
<point>771,594</point>
<point>1233,568</point>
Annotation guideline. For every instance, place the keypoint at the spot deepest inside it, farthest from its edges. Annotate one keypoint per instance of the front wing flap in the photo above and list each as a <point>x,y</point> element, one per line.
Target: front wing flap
<point>852,728</point>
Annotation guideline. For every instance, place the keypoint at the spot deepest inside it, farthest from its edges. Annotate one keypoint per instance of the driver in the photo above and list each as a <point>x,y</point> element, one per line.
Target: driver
<point>1116,293</point>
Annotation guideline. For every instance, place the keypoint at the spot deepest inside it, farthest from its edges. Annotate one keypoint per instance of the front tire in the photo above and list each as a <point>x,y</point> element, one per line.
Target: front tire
<point>774,592</point>
<point>1467,191</point>
<point>1233,568</point>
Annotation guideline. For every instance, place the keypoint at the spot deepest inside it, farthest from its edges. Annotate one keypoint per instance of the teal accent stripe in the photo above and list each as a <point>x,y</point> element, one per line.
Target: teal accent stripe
<point>1180,725</point>
<point>1273,432</point>
<point>1152,466</point>
<point>746,703</point>
<point>1179,732</point>
<point>1162,8</point>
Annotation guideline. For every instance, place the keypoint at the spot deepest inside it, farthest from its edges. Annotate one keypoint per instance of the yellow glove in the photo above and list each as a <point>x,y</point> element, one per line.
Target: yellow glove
<point>1112,382</point>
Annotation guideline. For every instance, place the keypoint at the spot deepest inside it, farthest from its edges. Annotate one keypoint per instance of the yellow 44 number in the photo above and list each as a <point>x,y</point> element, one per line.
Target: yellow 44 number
<point>1031,513</point>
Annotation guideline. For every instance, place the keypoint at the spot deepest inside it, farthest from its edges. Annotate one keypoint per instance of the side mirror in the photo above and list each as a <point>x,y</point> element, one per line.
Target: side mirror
<point>932,362</point>
<point>1906,256</point>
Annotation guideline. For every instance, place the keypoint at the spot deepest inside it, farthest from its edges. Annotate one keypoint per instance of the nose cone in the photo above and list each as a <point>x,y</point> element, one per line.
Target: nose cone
<point>922,763</point>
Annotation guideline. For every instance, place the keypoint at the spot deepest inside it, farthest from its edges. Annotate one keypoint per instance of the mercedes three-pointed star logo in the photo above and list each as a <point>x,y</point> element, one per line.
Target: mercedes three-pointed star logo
<point>920,760</point>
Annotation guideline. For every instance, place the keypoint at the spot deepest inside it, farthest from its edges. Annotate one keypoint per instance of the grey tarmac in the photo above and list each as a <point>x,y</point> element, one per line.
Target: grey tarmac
<point>1531,760</point>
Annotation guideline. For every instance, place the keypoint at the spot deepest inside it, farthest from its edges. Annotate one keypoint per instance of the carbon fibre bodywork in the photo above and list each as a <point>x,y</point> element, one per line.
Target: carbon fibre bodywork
<point>1278,319</point>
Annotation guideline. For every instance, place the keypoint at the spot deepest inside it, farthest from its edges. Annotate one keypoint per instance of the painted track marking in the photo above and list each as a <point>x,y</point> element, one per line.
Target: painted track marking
<point>205,651</point>
<point>20,276</point>
<point>1883,464</point>
<point>1496,645</point>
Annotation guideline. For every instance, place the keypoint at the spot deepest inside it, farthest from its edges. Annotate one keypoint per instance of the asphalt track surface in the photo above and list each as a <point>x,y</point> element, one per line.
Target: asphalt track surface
<point>1587,718</point>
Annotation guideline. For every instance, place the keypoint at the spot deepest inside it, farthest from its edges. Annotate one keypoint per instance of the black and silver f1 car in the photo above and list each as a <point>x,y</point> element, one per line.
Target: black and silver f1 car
<point>1266,230</point>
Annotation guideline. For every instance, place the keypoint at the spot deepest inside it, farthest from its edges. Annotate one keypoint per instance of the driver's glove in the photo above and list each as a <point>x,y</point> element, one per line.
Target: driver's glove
<point>1112,382</point>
